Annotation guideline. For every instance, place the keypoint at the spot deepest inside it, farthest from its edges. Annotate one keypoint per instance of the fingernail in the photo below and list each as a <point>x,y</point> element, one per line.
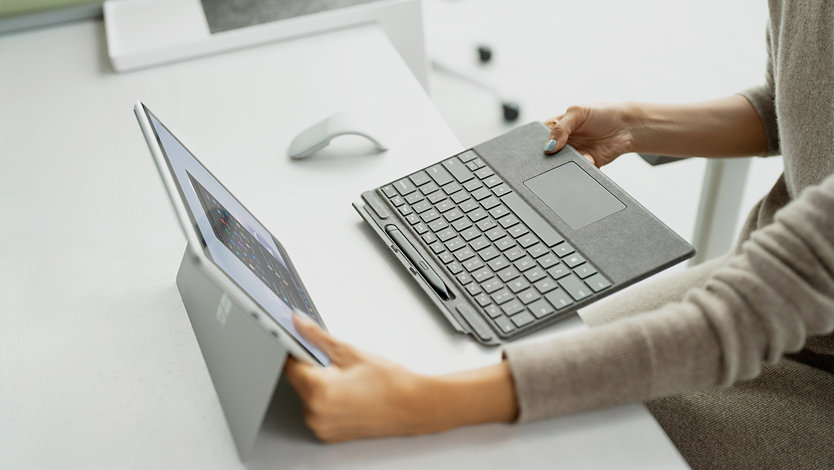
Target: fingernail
<point>551,144</point>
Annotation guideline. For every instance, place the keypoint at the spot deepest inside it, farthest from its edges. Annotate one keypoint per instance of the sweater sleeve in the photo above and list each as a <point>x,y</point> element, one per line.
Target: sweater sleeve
<point>765,302</point>
<point>763,100</point>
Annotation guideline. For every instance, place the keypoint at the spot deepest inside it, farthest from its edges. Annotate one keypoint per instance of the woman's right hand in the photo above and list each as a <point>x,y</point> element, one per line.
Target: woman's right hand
<point>600,132</point>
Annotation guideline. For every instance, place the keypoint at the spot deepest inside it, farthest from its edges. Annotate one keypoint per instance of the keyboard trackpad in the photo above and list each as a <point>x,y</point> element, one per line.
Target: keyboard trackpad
<point>573,195</point>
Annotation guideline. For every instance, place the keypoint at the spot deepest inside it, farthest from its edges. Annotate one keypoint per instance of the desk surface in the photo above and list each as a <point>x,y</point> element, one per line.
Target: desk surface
<point>99,366</point>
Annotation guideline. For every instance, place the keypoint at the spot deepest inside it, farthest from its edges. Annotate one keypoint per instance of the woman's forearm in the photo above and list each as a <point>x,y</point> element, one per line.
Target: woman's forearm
<point>727,127</point>
<point>479,396</point>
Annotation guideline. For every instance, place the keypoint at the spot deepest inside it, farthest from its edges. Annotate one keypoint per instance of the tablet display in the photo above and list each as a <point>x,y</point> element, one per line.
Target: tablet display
<point>236,242</point>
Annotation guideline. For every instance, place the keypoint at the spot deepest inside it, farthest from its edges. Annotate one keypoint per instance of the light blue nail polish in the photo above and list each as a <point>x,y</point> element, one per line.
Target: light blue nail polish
<point>551,144</point>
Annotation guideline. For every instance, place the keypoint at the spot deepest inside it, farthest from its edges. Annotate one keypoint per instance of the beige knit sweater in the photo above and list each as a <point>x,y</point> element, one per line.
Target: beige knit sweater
<point>773,294</point>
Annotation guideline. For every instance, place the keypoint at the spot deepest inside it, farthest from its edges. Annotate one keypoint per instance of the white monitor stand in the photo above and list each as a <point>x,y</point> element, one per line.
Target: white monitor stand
<point>244,361</point>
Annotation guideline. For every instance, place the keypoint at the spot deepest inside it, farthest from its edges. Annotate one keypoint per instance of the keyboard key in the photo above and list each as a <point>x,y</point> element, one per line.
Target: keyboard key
<point>468,206</point>
<point>397,201</point>
<point>518,285</point>
<point>421,207</point>
<point>508,221</point>
<point>439,174</point>
<point>478,163</point>
<point>472,166</point>
<point>527,240</point>
<point>508,274</point>
<point>493,311</point>
<point>405,210</point>
<point>498,264</point>
<point>496,233</point>
<point>535,274</point>
<point>492,181</point>
<point>472,185</point>
<point>532,219</point>
<point>420,178</point>
<point>518,231</point>
<point>430,215</point>
<point>461,224</point>
<point>436,197</point>
<point>558,271</point>
<point>504,324</point>
<point>437,248</point>
<point>505,243</point>
<point>455,244</point>
<point>512,307</point>
<point>524,263</point>
<point>479,243</point>
<point>530,295</point>
<point>482,275</point>
<point>389,191</point>
<point>429,238</point>
<point>458,170</point>
<point>477,214</point>
<point>464,278</point>
<point>545,285</point>
<point>489,253</point>
<point>473,264</point>
<point>482,193</point>
<point>405,187</point>
<point>421,228</point>
<point>563,250</point>
<point>598,282</point>
<point>574,260</point>
<point>482,299</point>
<point>473,289</point>
<point>559,299</point>
<point>429,188</point>
<point>486,224</point>
<point>470,233</point>
<point>501,190</point>
<point>412,219</point>
<point>453,215</point>
<point>499,212</point>
<point>501,296</point>
<point>414,197</point>
<point>548,260</point>
<point>537,250</point>
<point>490,202</point>
<point>514,253</point>
<point>455,267</point>
<point>445,206</point>
<point>446,257</point>
<point>438,225</point>
<point>483,172</point>
<point>540,308</point>
<point>584,271</point>
<point>452,188</point>
<point>460,196</point>
<point>522,319</point>
<point>492,285</point>
<point>575,287</point>
<point>467,156</point>
<point>446,234</point>
<point>464,254</point>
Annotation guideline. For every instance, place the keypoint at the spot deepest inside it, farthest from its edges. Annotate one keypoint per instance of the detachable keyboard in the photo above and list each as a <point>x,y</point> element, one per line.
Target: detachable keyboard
<point>475,236</point>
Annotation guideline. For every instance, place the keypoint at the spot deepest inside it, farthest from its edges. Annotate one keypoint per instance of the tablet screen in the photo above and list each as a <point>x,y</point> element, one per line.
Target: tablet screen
<point>236,242</point>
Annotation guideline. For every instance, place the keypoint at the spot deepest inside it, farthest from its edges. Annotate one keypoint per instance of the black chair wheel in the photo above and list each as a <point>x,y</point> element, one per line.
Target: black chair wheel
<point>511,111</point>
<point>484,54</point>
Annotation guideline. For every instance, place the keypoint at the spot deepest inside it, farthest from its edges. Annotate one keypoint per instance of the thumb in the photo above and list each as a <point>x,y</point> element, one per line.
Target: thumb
<point>335,349</point>
<point>562,127</point>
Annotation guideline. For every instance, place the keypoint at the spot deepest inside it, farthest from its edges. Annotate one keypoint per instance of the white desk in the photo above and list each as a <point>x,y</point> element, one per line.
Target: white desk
<point>99,367</point>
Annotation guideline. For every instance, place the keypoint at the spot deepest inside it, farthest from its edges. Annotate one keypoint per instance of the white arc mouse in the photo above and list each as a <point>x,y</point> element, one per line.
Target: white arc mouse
<point>319,135</point>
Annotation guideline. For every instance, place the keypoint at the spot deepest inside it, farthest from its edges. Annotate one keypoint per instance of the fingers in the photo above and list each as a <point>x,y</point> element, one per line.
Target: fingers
<point>562,126</point>
<point>335,349</point>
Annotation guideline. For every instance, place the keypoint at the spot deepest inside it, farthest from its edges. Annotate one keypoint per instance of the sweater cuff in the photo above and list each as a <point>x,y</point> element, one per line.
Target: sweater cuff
<point>762,100</point>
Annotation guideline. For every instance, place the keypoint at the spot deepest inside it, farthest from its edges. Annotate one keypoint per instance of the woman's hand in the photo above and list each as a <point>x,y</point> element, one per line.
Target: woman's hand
<point>600,132</point>
<point>361,395</point>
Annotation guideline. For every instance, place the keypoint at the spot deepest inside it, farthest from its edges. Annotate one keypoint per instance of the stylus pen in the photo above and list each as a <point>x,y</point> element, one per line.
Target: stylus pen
<point>417,260</point>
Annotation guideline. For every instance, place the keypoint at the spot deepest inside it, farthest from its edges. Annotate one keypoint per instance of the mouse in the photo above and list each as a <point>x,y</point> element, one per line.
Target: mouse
<point>318,136</point>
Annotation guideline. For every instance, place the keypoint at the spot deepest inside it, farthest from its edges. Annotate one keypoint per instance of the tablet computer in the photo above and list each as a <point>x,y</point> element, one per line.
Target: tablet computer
<point>230,245</point>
